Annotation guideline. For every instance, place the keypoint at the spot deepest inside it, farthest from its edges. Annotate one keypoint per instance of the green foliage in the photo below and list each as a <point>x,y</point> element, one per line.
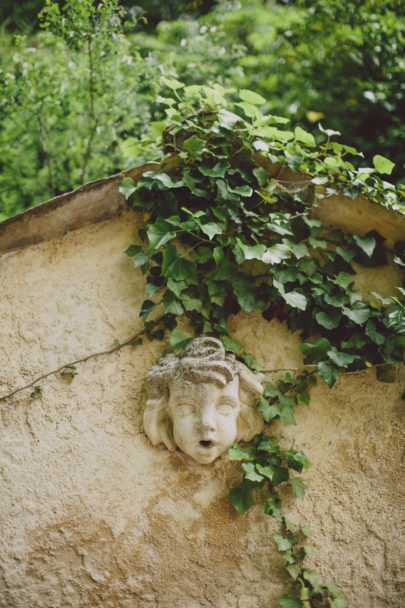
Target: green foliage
<point>67,98</point>
<point>223,235</point>
<point>340,62</point>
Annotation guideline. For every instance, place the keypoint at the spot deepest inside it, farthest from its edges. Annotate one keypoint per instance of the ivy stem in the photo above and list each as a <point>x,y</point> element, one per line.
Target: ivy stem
<point>62,367</point>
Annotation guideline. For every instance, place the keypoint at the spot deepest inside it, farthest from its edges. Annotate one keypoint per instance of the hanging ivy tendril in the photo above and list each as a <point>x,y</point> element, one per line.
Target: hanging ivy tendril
<point>229,225</point>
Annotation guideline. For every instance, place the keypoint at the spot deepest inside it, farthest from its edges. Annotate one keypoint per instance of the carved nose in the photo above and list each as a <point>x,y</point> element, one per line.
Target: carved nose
<point>207,423</point>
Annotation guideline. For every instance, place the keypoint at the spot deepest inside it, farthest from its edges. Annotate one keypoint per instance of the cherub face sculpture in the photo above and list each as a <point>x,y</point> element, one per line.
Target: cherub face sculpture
<point>202,401</point>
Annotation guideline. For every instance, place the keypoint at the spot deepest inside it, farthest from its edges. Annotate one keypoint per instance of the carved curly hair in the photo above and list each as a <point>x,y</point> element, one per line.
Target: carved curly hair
<point>202,360</point>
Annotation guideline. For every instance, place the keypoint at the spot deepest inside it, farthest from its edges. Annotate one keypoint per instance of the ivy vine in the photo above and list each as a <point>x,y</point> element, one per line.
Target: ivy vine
<point>227,227</point>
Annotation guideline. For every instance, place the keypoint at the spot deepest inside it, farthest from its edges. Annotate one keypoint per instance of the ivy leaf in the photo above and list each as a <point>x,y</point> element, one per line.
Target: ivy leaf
<point>250,472</point>
<point>304,137</point>
<point>280,475</point>
<point>271,507</point>
<point>283,544</point>
<point>346,254</point>
<point>211,229</point>
<point>297,460</point>
<point>338,602</point>
<point>317,351</point>
<point>172,304</point>
<point>267,410</point>
<point>147,307</point>
<point>233,345</point>
<point>158,234</point>
<point>382,164</point>
<point>176,266</point>
<point>306,530</point>
<point>251,97</point>
<point>266,471</point>
<point>175,286</point>
<point>329,320</point>
<point>287,415</point>
<point>218,170</point>
<point>341,359</point>
<point>294,298</point>
<point>254,252</point>
<point>246,295</point>
<point>132,250</point>
<point>246,191</point>
<point>269,444</point>
<point>328,373</point>
<point>241,498</point>
<point>228,119</point>
<point>249,109</point>
<point>172,83</point>
<point>367,244</point>
<point>237,453</point>
<point>373,334</point>
<point>359,314</point>
<point>194,146</point>
<point>178,339</point>
<point>300,250</point>
<point>343,279</point>
<point>127,187</point>
<point>276,253</point>
<point>261,175</point>
<point>298,487</point>
<point>287,601</point>
<point>386,373</point>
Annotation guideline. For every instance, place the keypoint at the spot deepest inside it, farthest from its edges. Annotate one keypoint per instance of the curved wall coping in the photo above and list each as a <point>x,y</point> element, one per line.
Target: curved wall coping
<point>100,200</point>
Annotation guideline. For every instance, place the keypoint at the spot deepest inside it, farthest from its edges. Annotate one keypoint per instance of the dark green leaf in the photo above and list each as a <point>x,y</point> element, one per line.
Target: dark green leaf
<point>267,410</point>
<point>172,304</point>
<point>174,265</point>
<point>330,320</point>
<point>241,498</point>
<point>158,234</point>
<point>146,309</point>
<point>280,475</point>
<point>317,351</point>
<point>269,444</point>
<point>386,373</point>
<point>218,170</point>
<point>194,145</point>
<point>233,345</point>
<point>328,373</point>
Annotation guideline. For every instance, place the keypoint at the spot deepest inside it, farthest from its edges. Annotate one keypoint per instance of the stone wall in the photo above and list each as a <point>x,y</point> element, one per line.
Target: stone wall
<point>93,515</point>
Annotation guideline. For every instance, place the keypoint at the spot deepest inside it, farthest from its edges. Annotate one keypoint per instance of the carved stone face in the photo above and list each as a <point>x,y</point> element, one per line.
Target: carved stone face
<point>201,401</point>
<point>204,417</point>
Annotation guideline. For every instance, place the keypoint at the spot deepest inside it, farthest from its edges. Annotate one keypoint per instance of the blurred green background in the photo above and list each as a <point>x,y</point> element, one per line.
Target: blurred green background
<point>80,83</point>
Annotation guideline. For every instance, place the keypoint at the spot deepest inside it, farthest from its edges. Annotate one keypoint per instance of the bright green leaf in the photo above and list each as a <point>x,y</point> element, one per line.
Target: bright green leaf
<point>251,97</point>
<point>382,164</point>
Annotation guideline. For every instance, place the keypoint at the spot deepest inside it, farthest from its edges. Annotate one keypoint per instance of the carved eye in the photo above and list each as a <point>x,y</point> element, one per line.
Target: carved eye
<point>226,407</point>
<point>184,409</point>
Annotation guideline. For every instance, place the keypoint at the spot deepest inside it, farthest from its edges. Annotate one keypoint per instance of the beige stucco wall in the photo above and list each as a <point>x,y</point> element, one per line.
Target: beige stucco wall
<point>93,515</point>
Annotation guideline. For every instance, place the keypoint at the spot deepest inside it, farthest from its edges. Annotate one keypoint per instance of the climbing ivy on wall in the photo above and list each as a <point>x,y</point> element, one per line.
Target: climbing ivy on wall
<point>229,225</point>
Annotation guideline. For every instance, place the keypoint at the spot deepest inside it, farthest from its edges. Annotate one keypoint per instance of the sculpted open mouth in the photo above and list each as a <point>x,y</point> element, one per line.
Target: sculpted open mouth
<point>206,443</point>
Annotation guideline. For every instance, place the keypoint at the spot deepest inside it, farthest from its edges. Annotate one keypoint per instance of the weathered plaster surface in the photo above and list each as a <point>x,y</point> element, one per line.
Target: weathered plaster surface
<point>92,515</point>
